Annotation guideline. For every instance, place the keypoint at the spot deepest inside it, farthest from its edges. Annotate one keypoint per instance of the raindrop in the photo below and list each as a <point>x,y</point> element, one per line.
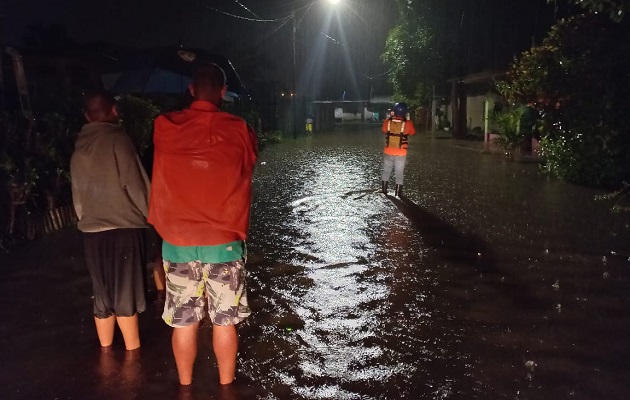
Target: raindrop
<point>604,259</point>
<point>263,163</point>
<point>559,308</point>
<point>606,275</point>
<point>546,251</point>
<point>556,285</point>
<point>530,365</point>
<point>613,253</point>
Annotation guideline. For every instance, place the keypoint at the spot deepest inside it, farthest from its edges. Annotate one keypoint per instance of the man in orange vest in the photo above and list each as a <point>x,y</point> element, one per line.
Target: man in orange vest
<point>398,128</point>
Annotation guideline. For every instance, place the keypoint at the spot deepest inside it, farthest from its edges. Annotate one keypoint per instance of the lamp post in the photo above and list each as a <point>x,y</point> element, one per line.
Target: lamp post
<point>293,93</point>
<point>1,59</point>
<point>293,120</point>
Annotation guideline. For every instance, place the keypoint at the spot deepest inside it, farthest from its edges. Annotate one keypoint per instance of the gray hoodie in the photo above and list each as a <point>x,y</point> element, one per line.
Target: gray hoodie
<point>110,188</point>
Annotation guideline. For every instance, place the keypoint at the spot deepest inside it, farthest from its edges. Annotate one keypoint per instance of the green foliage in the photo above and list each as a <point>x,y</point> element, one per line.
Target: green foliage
<point>616,9</point>
<point>443,122</point>
<point>273,137</point>
<point>507,124</point>
<point>35,159</point>
<point>620,198</point>
<point>411,58</point>
<point>578,79</point>
<point>53,146</point>
<point>137,116</point>
<point>583,158</point>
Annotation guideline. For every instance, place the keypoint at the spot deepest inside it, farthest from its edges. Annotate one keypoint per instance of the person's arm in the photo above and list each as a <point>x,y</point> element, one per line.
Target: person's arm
<point>253,139</point>
<point>385,124</point>
<point>409,128</point>
<point>76,198</point>
<point>133,177</point>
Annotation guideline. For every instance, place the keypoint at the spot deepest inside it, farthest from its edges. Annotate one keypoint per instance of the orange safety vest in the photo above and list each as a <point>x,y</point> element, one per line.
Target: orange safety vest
<point>397,131</point>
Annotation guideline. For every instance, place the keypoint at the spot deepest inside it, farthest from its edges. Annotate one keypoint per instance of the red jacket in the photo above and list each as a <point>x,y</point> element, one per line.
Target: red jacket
<point>201,185</point>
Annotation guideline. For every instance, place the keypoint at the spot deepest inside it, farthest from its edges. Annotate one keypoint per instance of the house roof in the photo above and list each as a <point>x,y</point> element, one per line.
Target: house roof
<point>486,76</point>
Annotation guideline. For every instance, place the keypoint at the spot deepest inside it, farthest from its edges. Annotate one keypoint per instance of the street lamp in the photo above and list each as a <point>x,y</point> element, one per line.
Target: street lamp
<point>293,94</point>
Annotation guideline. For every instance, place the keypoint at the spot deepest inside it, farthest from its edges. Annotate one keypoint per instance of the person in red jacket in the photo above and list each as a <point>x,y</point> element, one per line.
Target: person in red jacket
<point>200,205</point>
<point>397,128</point>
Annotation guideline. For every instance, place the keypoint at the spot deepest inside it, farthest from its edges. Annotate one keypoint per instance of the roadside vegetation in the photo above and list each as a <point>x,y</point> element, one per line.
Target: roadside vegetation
<point>575,77</point>
<point>35,191</point>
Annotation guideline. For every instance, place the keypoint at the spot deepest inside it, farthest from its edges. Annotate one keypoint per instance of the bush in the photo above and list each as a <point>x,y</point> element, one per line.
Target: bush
<point>510,137</point>
<point>273,136</point>
<point>583,157</point>
<point>578,80</point>
<point>137,115</point>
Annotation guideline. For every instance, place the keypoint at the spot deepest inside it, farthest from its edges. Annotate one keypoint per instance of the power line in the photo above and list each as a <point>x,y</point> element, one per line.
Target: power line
<point>240,16</point>
<point>245,7</point>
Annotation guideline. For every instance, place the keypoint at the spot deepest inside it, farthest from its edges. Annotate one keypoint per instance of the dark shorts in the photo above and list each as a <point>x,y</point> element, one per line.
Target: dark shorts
<point>194,287</point>
<point>116,260</point>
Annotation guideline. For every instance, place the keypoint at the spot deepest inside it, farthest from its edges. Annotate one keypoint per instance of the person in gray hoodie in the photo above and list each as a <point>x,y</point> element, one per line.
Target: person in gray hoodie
<point>110,190</point>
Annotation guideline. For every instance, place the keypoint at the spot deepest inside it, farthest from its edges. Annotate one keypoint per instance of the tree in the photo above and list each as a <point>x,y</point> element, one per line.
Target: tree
<point>410,55</point>
<point>436,40</point>
<point>616,9</point>
<point>578,79</point>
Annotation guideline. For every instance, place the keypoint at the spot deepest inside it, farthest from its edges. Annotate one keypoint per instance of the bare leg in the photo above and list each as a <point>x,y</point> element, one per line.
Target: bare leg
<point>184,342</point>
<point>129,328</point>
<point>225,344</point>
<point>159,275</point>
<point>105,330</point>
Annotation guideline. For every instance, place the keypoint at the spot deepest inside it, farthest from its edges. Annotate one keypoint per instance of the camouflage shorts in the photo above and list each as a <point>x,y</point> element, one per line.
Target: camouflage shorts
<point>189,284</point>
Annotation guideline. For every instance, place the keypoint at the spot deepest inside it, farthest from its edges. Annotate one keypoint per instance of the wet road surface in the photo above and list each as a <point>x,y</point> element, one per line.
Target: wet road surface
<point>487,281</point>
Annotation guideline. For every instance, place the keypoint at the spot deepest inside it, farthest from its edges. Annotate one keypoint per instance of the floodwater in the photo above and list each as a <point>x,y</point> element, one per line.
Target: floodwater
<point>486,281</point>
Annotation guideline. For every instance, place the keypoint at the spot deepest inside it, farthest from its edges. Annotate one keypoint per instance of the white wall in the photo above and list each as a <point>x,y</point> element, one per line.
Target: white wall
<point>475,111</point>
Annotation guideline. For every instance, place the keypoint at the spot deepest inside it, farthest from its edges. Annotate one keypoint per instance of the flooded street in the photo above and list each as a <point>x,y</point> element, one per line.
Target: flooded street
<point>486,281</point>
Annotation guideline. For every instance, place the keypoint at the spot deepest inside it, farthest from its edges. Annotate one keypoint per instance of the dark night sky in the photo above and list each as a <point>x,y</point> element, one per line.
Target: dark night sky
<point>337,49</point>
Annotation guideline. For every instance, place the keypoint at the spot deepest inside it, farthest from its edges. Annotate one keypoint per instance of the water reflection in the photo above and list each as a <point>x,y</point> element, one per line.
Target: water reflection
<point>119,373</point>
<point>487,282</point>
<point>445,294</point>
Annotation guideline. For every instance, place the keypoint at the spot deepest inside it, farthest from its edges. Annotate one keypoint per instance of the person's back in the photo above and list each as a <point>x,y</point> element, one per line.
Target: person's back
<point>110,196</point>
<point>204,158</point>
<point>200,205</point>
<point>104,169</point>
<point>397,129</point>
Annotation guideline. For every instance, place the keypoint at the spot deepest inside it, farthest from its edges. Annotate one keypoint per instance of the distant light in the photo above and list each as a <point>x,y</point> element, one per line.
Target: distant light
<point>334,1</point>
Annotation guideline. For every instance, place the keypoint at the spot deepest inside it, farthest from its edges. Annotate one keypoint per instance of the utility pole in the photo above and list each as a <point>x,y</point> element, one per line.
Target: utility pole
<point>1,59</point>
<point>293,116</point>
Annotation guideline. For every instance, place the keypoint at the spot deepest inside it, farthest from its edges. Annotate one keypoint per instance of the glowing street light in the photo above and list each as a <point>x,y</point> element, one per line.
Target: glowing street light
<point>293,95</point>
